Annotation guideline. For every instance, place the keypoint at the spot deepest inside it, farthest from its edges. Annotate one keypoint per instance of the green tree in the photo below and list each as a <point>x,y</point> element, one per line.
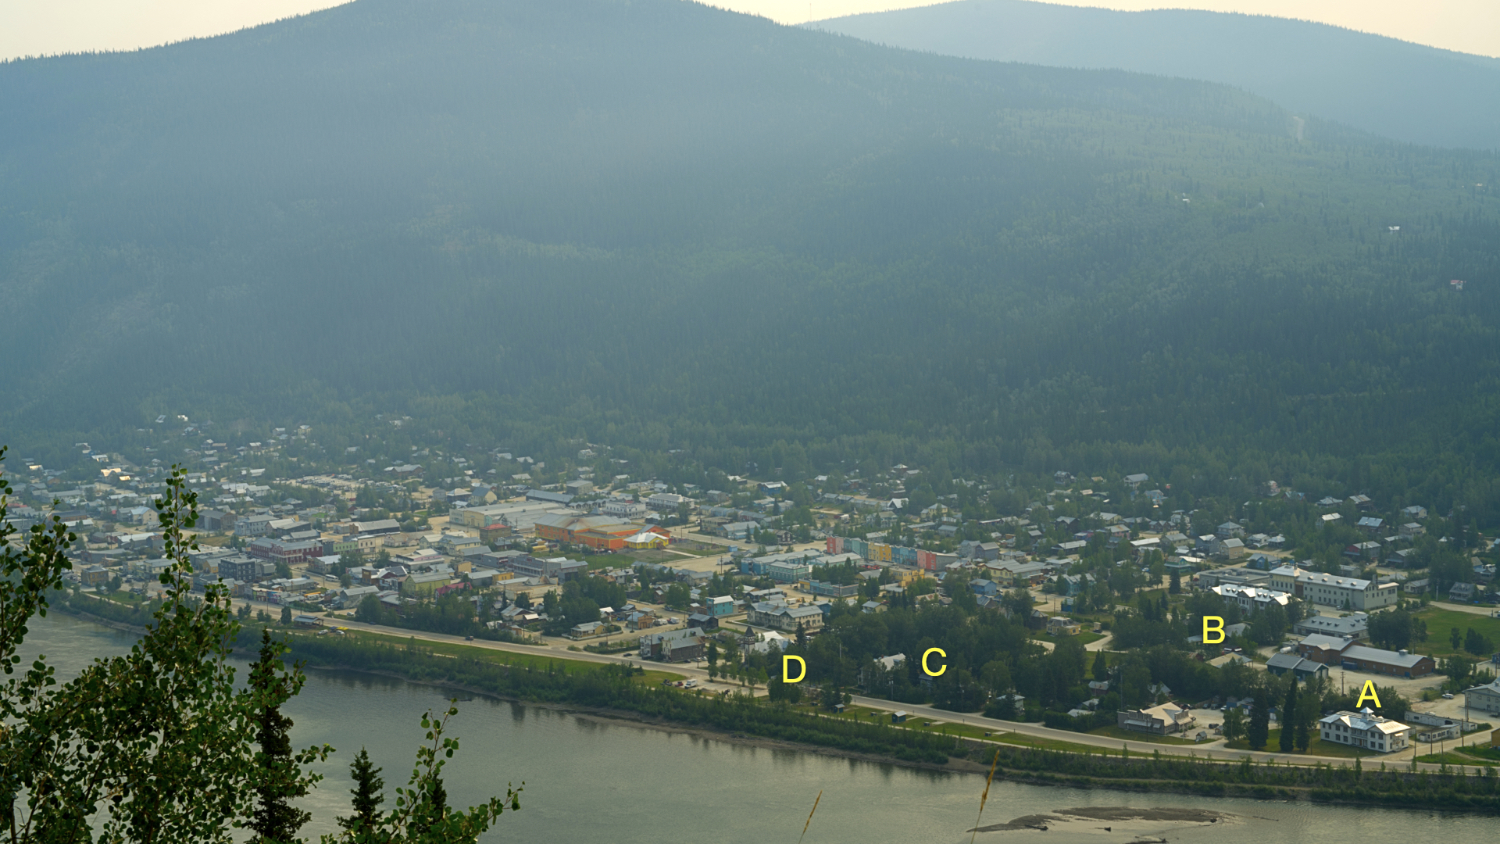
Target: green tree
<point>192,777</point>
<point>286,615</point>
<point>1259,730</point>
<point>1454,638</point>
<point>713,658</point>
<point>1234,723</point>
<point>276,821</point>
<point>367,795</point>
<point>1289,717</point>
<point>1101,667</point>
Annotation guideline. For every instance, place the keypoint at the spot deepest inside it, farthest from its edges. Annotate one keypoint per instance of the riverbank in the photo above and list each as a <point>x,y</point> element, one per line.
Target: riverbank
<point>620,693</point>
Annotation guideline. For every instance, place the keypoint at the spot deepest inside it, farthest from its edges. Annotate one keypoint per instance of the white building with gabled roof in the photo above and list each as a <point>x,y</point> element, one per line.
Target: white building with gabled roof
<point>1364,729</point>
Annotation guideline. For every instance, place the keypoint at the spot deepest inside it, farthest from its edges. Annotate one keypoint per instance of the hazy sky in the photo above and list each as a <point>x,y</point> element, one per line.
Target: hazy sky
<point>37,27</point>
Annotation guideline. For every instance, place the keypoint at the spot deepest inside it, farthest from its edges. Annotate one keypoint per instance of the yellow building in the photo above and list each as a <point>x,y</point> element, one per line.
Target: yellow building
<point>645,540</point>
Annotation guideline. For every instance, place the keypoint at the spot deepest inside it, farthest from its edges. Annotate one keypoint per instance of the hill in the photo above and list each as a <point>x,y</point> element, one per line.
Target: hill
<point>659,224</point>
<point>1393,88</point>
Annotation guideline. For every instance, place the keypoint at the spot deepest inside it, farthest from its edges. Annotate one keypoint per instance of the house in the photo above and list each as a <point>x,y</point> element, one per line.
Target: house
<point>1301,668</point>
<point>1165,719</point>
<point>1230,530</point>
<point>673,646</point>
<point>703,621</point>
<point>1370,524</point>
<point>1234,547</point>
<point>1134,481</point>
<point>1484,698</point>
<point>985,587</point>
<point>871,607</point>
<point>1060,626</point>
<point>586,629</point>
<point>720,606</point>
<point>1226,659</point>
<point>1461,593</point>
<point>1364,729</point>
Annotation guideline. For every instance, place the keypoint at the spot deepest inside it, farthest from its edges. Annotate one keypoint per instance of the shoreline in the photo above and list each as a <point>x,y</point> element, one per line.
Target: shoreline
<point>954,764</point>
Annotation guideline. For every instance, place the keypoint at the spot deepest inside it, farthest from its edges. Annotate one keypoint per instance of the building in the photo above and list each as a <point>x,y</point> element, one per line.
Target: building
<point>1251,598</point>
<point>1354,625</point>
<point>1484,698</point>
<point>1364,729</point>
<point>1343,652</point>
<point>1166,719</point>
<point>601,533</point>
<point>782,617</point>
<point>1343,592</point>
<point>382,526</point>
<point>1236,576</point>
<point>1061,626</point>
<point>623,508</point>
<point>1301,668</point>
<point>673,646</point>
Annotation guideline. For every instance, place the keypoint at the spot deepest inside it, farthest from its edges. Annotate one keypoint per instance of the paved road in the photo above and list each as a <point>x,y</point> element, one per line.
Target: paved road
<point>1205,750</point>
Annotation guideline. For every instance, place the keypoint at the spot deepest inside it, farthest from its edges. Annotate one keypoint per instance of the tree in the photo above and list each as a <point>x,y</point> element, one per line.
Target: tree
<point>192,777</point>
<point>1259,730</point>
<point>1289,717</point>
<point>713,658</point>
<point>1234,724</point>
<point>1174,587</point>
<point>1304,735</point>
<point>1454,638</point>
<point>286,615</point>
<point>368,795</point>
<point>1101,667</point>
<point>275,820</point>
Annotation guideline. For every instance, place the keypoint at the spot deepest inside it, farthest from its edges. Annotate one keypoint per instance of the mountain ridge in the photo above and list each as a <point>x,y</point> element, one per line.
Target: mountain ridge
<point>1394,88</point>
<point>661,224</point>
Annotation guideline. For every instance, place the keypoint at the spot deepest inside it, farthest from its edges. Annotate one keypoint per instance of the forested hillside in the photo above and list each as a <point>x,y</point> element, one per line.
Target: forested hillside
<point>1401,90</point>
<point>664,225</point>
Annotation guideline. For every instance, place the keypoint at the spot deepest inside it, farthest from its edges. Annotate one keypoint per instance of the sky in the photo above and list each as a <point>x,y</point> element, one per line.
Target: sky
<point>45,27</point>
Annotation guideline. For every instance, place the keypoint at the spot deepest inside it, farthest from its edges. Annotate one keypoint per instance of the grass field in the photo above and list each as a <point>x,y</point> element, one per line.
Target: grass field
<point>453,649</point>
<point>1131,735</point>
<point>1441,621</point>
<point>1453,758</point>
<point>958,728</point>
<point>1317,748</point>
<point>1081,638</point>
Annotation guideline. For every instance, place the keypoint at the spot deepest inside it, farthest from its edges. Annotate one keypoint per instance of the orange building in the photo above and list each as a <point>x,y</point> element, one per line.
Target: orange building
<point>600,533</point>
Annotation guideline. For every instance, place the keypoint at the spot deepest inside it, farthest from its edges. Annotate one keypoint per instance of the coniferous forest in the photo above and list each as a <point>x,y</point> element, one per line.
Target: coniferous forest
<point>669,227</point>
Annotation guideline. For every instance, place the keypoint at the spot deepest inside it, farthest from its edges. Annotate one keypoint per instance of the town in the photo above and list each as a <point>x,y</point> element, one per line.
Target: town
<point>1079,610</point>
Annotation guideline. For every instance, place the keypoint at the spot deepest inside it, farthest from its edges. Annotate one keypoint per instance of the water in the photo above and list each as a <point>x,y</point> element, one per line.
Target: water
<point>589,780</point>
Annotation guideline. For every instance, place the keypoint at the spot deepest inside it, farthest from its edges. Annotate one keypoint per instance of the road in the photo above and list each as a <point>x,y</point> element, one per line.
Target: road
<point>1207,750</point>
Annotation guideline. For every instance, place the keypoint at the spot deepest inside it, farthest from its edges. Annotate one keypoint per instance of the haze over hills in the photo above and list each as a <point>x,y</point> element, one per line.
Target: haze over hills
<point>659,224</point>
<point>1394,88</point>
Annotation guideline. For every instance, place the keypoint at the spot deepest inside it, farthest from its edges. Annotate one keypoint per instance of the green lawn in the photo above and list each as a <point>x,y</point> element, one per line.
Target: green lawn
<point>1455,758</point>
<point>496,656</point>
<point>1317,748</point>
<point>1081,638</point>
<point>1132,735</point>
<point>1440,621</point>
<point>956,728</point>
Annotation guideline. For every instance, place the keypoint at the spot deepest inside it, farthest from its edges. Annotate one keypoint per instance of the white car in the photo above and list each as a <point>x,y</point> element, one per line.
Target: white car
<point>1447,696</point>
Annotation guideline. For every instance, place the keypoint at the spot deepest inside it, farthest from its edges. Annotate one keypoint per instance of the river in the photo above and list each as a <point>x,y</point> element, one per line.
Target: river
<point>592,780</point>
